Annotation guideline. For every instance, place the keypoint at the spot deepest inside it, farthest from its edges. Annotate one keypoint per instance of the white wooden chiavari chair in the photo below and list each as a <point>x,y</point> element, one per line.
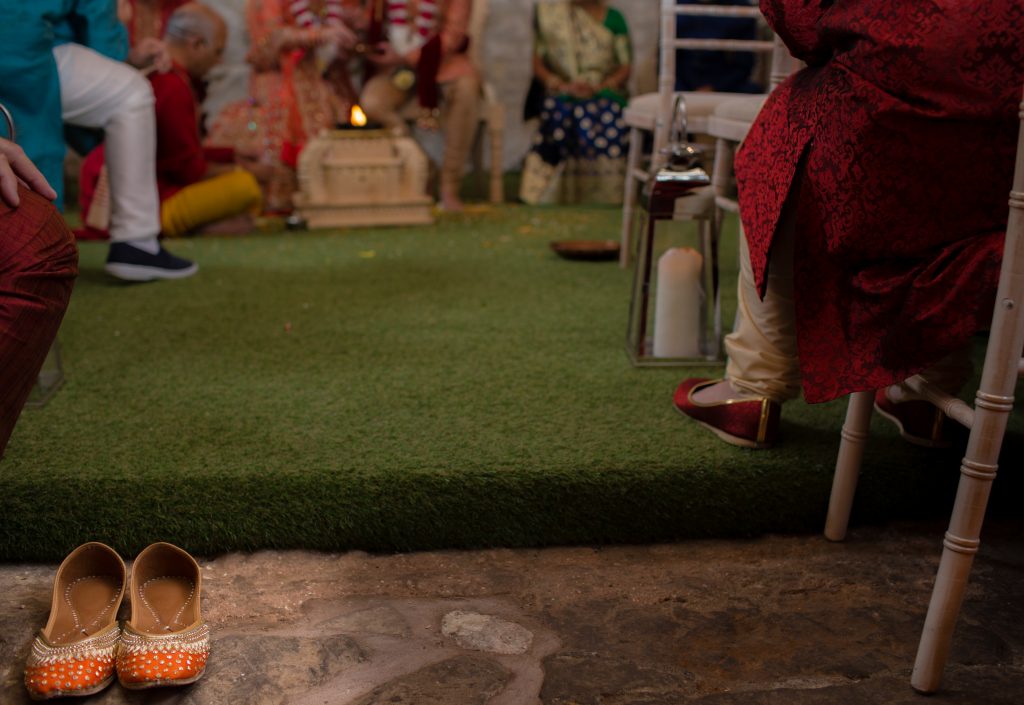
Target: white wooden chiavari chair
<point>986,420</point>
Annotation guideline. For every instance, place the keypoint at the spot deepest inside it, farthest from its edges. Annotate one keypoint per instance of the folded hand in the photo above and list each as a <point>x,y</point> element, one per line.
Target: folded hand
<point>340,36</point>
<point>384,55</point>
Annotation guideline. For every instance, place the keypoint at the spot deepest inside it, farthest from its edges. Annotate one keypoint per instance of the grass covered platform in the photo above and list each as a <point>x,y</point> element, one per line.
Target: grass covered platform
<point>394,389</point>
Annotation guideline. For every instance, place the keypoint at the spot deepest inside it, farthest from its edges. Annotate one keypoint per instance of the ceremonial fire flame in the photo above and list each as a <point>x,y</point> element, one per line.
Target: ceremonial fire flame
<point>358,117</point>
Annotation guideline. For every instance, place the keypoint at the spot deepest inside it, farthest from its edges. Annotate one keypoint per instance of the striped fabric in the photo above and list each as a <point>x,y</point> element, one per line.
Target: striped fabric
<point>306,18</point>
<point>426,19</point>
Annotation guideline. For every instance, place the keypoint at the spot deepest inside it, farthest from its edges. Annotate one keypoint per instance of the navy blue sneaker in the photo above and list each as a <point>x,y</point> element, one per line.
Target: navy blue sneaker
<point>127,262</point>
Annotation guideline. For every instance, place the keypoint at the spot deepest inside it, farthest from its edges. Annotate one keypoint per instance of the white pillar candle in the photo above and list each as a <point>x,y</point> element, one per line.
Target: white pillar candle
<point>677,304</point>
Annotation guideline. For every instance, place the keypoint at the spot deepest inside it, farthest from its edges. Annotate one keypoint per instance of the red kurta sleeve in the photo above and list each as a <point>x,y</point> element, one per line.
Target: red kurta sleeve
<point>219,154</point>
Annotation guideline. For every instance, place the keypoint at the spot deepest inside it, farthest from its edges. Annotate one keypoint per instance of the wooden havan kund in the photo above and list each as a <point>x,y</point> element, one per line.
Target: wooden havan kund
<point>363,177</point>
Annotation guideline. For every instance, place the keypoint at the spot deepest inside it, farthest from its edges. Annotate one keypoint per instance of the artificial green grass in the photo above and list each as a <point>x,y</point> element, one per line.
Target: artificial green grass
<point>393,389</point>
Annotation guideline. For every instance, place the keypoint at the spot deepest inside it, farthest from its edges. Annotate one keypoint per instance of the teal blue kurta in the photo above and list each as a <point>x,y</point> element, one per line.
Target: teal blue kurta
<point>29,85</point>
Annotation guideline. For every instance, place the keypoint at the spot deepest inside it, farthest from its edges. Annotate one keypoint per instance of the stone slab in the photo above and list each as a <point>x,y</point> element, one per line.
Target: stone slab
<point>777,620</point>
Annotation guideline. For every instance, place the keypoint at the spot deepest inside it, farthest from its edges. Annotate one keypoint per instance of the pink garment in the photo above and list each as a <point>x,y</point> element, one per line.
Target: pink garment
<point>290,96</point>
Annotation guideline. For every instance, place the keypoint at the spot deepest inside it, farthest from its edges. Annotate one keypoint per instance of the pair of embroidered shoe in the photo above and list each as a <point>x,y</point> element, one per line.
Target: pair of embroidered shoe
<point>753,422</point>
<point>83,647</point>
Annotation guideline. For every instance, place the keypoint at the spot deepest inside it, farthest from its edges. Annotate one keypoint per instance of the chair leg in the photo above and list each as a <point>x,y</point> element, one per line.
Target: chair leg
<point>629,197</point>
<point>962,539</point>
<point>721,169</point>
<point>993,404</point>
<point>709,246</point>
<point>476,155</point>
<point>715,233</point>
<point>497,183</point>
<point>851,452</point>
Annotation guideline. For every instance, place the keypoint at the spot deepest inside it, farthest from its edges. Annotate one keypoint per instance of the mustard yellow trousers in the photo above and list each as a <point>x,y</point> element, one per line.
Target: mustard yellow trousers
<point>207,201</point>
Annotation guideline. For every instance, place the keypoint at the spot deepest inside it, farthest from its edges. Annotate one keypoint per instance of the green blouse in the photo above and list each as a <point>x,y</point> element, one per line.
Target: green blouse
<point>576,46</point>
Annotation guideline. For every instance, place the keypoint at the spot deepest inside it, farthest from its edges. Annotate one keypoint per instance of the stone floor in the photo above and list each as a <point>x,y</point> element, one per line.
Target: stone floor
<point>776,620</point>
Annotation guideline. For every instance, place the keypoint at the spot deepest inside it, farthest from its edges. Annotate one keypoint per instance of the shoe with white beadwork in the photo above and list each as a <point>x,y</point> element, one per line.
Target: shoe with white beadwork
<point>166,642</point>
<point>74,653</point>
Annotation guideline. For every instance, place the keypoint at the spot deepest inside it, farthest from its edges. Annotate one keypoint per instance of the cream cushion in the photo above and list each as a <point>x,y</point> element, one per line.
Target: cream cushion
<point>731,119</point>
<point>642,111</point>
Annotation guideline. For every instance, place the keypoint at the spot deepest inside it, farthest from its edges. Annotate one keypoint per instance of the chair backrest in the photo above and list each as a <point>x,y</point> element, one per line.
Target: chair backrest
<point>783,64</point>
<point>671,42</point>
<point>731,126</point>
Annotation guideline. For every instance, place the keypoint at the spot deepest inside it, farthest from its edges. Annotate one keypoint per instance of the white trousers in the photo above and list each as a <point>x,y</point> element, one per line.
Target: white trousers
<point>98,92</point>
<point>762,347</point>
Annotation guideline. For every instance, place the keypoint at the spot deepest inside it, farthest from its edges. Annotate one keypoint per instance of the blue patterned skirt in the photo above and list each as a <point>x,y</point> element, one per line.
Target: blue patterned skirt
<point>578,153</point>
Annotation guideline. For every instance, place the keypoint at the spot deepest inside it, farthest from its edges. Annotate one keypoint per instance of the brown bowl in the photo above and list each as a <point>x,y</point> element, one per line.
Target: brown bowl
<point>587,250</point>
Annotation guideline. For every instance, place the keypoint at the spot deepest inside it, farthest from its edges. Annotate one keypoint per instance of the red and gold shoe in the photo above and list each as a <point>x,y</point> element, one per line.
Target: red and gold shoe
<point>748,422</point>
<point>74,653</point>
<point>166,642</point>
<point>920,422</point>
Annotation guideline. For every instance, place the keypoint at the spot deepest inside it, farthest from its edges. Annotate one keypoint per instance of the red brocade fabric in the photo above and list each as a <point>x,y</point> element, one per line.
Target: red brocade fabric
<point>38,266</point>
<point>903,129</point>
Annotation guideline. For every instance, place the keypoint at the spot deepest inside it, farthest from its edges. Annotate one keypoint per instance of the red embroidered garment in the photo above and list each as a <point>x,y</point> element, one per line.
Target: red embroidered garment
<point>38,266</point>
<point>903,127</point>
<point>180,158</point>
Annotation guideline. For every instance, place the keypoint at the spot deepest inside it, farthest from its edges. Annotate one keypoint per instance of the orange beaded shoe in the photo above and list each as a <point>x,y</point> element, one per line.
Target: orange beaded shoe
<point>166,641</point>
<point>74,653</point>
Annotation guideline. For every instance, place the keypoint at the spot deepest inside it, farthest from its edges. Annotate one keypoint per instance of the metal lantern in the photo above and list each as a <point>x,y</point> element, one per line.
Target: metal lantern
<point>674,316</point>
<point>50,379</point>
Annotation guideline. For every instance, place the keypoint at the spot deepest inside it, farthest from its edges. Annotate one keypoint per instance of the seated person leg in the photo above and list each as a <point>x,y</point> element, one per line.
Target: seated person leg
<point>762,350</point>
<point>101,93</point>
<point>462,117</point>
<point>227,195</point>
<point>38,265</point>
<point>763,368</point>
<point>380,101</point>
